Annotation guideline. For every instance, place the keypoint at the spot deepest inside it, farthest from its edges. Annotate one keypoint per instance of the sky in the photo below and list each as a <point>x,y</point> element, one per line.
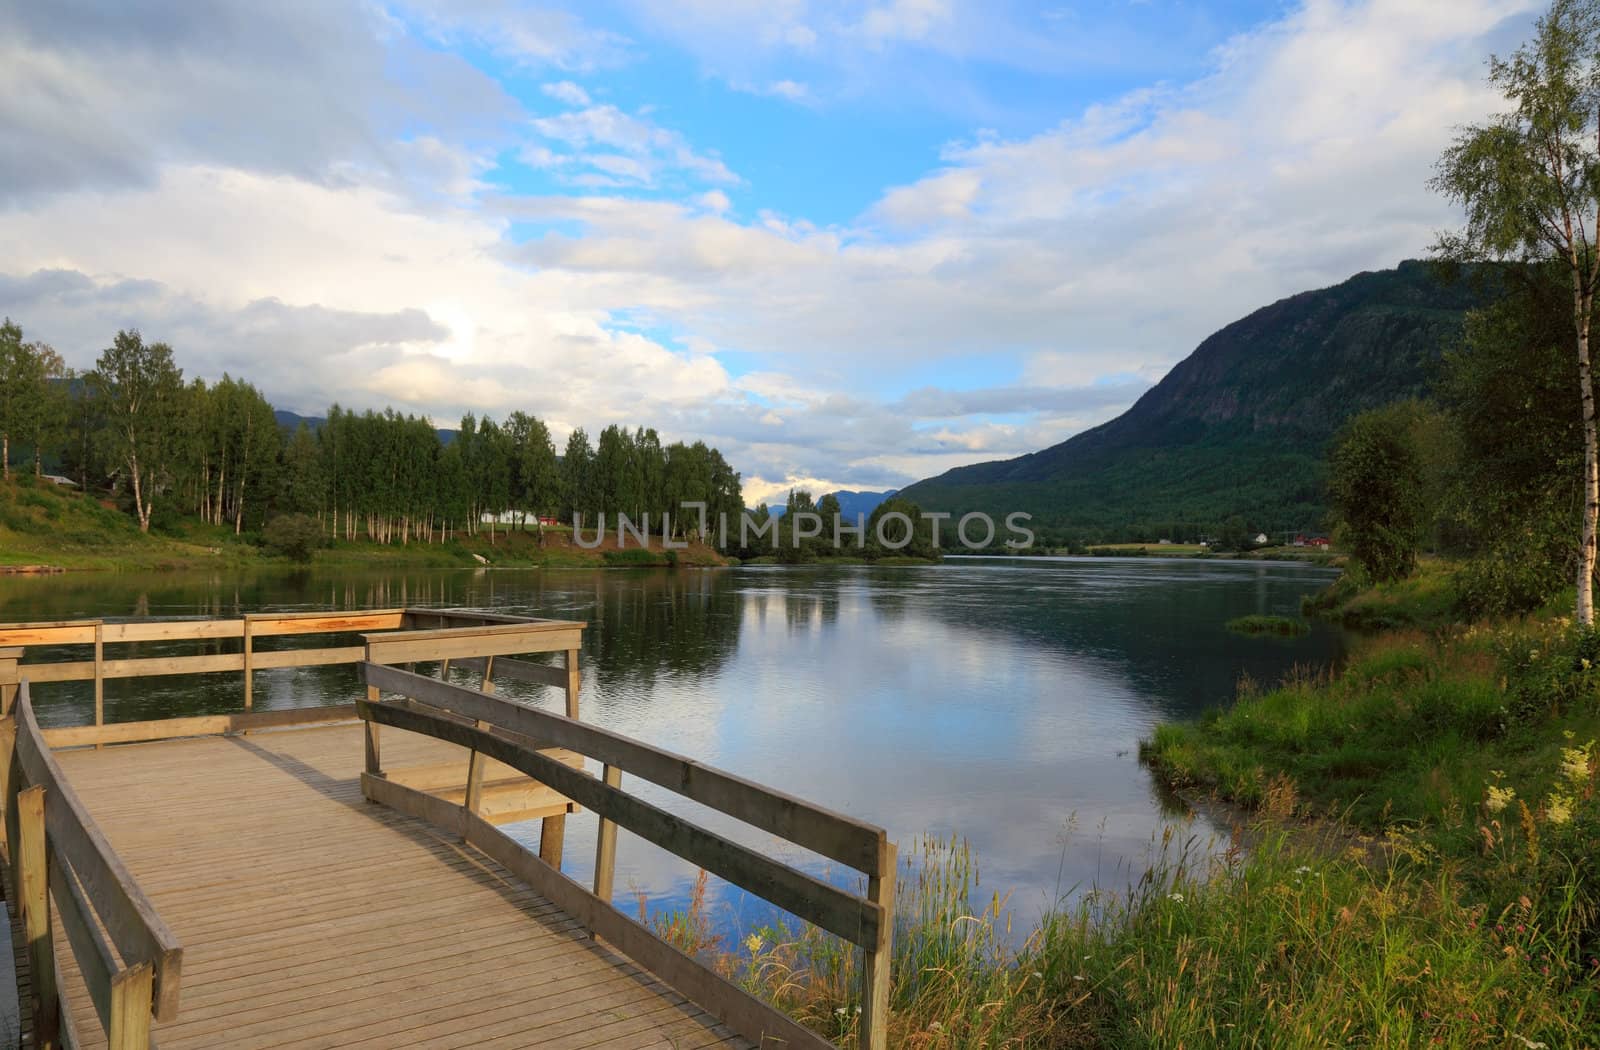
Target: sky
<point>852,244</point>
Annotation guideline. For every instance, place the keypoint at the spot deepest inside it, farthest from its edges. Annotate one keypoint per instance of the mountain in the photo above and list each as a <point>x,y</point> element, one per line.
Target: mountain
<point>291,421</point>
<point>1240,426</point>
<point>851,503</point>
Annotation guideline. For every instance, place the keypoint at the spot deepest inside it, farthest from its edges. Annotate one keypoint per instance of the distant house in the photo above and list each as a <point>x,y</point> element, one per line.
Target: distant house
<point>1261,539</point>
<point>1320,542</point>
<point>1164,542</point>
<point>60,480</point>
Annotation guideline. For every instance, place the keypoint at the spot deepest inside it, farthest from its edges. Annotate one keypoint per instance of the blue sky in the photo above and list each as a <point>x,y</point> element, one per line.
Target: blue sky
<point>851,243</point>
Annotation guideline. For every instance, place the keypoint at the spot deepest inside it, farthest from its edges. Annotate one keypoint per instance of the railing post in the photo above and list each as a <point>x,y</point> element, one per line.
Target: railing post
<point>131,991</point>
<point>553,830</point>
<point>874,1032</point>
<point>605,843</point>
<point>10,783</point>
<point>249,668</point>
<point>33,878</point>
<point>9,685</point>
<point>10,657</point>
<point>374,755</point>
<point>574,680</point>
<point>475,763</point>
<point>99,678</point>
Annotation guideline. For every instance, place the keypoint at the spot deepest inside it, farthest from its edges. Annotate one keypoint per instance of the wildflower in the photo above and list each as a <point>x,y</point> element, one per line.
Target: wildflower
<point>1499,798</point>
<point>1039,975</point>
<point>1079,977</point>
<point>1558,809</point>
<point>1529,1043</point>
<point>1302,870</point>
<point>753,944</point>
<point>935,1026</point>
<point>840,1011</point>
<point>1175,897</point>
<point>1575,762</point>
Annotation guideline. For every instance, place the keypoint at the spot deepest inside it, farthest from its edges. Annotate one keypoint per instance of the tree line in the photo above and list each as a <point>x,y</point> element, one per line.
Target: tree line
<point>1504,466</point>
<point>134,428</point>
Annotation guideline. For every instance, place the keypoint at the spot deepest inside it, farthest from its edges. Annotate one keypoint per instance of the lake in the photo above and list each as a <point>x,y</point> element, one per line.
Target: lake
<point>1001,700</point>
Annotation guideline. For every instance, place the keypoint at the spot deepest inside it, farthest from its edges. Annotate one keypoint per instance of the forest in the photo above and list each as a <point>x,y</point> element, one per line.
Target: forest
<point>132,428</point>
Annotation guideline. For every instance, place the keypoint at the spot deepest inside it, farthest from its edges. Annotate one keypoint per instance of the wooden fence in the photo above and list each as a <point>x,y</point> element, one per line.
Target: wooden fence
<point>62,866</point>
<point>521,762</point>
<point>454,631</point>
<point>520,737</point>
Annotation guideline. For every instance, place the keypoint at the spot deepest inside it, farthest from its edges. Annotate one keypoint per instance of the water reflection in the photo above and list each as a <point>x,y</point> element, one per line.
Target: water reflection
<point>999,700</point>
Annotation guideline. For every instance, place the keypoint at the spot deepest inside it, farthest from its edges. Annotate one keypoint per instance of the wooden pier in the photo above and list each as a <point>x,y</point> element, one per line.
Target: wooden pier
<point>340,876</point>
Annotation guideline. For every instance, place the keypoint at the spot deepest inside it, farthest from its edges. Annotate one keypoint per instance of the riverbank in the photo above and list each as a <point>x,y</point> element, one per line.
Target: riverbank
<point>1421,871</point>
<point>47,528</point>
<point>1309,555</point>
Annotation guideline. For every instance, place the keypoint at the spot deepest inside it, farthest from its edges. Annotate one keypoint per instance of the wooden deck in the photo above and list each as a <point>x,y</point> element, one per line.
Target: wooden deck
<point>310,917</point>
<point>268,879</point>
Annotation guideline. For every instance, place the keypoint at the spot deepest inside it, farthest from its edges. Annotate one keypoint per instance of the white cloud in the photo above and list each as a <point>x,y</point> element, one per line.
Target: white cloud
<point>269,212</point>
<point>905,19</point>
<point>568,92</point>
<point>792,90</point>
<point>645,151</point>
<point>532,35</point>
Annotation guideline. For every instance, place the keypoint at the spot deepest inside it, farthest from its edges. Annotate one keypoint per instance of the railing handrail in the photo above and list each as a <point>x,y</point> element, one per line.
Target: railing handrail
<point>493,728</point>
<point>838,911</point>
<point>131,920</point>
<point>834,835</point>
<point>475,633</point>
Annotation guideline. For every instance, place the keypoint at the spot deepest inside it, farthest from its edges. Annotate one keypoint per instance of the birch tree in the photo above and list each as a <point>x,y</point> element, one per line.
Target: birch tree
<point>15,387</point>
<point>138,387</point>
<point>1529,182</point>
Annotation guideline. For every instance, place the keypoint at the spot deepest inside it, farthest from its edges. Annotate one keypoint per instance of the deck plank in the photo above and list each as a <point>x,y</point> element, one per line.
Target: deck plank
<point>312,918</point>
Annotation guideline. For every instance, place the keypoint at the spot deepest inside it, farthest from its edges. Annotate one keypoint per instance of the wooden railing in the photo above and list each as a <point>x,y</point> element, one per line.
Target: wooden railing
<point>521,737</point>
<point>62,866</point>
<point>96,635</point>
<point>522,762</point>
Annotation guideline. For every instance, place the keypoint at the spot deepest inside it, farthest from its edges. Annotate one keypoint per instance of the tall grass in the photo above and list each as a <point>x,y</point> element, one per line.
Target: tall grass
<point>1445,893</point>
<point>1287,944</point>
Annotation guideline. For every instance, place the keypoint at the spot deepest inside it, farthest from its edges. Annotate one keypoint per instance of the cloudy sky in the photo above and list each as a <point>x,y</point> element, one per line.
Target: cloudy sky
<point>851,243</point>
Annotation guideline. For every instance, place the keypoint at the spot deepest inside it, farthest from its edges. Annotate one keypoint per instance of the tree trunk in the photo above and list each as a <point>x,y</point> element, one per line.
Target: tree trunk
<point>5,456</point>
<point>38,470</point>
<point>1591,462</point>
<point>139,505</point>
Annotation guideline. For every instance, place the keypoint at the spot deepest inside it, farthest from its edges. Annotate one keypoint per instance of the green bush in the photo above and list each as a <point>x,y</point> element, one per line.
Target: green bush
<point>295,536</point>
<point>1257,625</point>
<point>639,557</point>
<point>1558,674</point>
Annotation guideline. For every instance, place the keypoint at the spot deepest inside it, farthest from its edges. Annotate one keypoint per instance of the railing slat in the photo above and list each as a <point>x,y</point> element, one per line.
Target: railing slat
<point>128,915</point>
<point>745,1014</point>
<point>811,899</point>
<point>521,670</point>
<point>89,949</point>
<point>834,835</point>
<point>195,725</point>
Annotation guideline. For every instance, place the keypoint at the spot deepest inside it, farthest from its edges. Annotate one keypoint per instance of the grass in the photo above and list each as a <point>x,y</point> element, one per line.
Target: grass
<point>1425,599</point>
<point>43,524</point>
<point>1281,625</point>
<point>1413,865</point>
<point>1287,944</point>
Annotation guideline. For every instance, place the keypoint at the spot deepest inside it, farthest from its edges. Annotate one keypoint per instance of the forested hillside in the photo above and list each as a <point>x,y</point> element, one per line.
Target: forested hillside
<point>1241,426</point>
<point>133,429</point>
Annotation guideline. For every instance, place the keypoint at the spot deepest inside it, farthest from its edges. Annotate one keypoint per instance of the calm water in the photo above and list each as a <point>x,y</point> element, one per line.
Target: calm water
<point>996,699</point>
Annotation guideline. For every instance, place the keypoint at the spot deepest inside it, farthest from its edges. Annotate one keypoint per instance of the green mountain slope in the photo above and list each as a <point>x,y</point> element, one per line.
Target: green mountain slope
<point>1240,426</point>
